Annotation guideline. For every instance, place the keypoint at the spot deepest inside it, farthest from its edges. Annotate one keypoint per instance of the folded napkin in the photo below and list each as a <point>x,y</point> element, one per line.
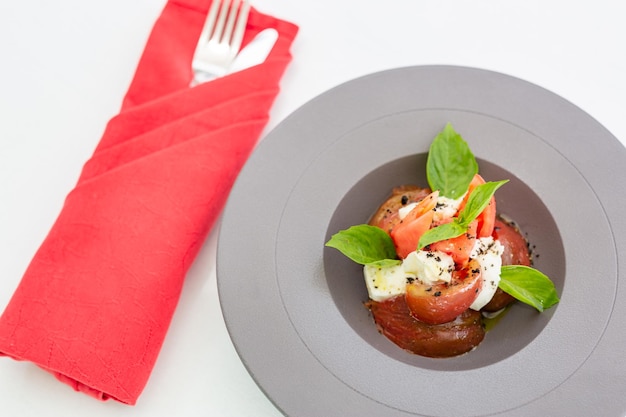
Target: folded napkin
<point>95,303</point>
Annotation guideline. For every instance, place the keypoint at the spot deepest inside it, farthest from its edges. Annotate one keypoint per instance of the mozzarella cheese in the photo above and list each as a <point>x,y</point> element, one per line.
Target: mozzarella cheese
<point>429,266</point>
<point>446,207</point>
<point>488,253</point>
<point>384,282</point>
<point>403,211</point>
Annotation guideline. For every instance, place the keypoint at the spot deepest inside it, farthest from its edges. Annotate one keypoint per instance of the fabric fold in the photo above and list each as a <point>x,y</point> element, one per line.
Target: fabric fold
<point>95,303</point>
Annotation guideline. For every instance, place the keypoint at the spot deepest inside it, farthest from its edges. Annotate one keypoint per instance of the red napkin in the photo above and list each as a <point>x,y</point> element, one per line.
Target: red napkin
<point>96,301</point>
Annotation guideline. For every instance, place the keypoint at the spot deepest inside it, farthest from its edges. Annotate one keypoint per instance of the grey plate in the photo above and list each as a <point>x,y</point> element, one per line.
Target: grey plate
<point>294,308</point>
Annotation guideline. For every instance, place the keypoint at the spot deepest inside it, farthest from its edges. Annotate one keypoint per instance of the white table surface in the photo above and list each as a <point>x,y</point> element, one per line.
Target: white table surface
<point>67,64</point>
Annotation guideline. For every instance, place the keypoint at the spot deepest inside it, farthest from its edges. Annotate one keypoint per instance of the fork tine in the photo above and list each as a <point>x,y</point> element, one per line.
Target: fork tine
<point>230,22</point>
<point>240,27</point>
<point>219,28</point>
<point>209,23</point>
<point>220,40</point>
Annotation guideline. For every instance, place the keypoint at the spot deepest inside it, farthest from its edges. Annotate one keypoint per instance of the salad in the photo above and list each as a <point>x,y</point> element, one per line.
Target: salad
<point>438,262</point>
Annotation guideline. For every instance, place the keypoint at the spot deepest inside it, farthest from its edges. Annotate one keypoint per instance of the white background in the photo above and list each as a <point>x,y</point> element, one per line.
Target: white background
<point>67,64</point>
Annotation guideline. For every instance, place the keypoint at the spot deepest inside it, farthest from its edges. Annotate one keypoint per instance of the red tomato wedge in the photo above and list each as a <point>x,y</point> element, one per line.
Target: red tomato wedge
<point>486,219</point>
<point>459,247</point>
<point>441,303</point>
<point>406,234</point>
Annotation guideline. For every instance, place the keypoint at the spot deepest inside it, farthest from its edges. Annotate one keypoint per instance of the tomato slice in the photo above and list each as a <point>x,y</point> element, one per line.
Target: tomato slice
<point>459,247</point>
<point>441,303</point>
<point>406,234</point>
<point>458,336</point>
<point>386,217</point>
<point>515,246</point>
<point>486,219</point>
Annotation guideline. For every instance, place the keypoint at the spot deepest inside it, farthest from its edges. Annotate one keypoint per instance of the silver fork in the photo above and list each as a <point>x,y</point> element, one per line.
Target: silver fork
<point>220,39</point>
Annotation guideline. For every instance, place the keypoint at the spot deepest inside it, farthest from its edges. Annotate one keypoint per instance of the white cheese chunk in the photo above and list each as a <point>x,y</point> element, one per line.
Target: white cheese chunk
<point>446,207</point>
<point>429,266</point>
<point>403,211</point>
<point>384,282</point>
<point>488,253</point>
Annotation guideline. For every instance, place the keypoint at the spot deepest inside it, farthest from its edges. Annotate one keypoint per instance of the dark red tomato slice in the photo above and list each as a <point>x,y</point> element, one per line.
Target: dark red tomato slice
<point>386,217</point>
<point>454,338</point>
<point>487,218</point>
<point>459,247</point>
<point>407,233</point>
<point>441,303</point>
<point>515,246</point>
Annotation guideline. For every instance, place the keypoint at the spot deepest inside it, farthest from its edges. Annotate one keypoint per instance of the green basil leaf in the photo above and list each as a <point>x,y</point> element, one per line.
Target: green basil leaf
<point>451,165</point>
<point>441,232</point>
<point>529,286</point>
<point>364,244</point>
<point>478,201</point>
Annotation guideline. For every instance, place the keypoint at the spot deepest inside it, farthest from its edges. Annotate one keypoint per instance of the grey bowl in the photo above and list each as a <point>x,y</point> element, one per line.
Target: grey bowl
<point>294,308</point>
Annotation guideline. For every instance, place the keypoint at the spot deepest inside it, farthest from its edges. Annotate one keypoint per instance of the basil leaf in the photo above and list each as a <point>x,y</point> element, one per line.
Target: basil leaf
<point>441,232</point>
<point>364,244</point>
<point>529,286</point>
<point>478,201</point>
<point>451,165</point>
